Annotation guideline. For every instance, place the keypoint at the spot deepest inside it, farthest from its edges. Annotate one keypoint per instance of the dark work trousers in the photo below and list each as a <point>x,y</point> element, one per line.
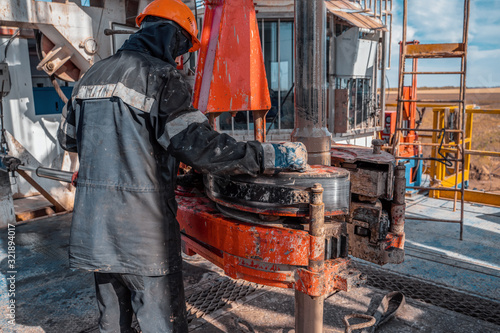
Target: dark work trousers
<point>157,301</point>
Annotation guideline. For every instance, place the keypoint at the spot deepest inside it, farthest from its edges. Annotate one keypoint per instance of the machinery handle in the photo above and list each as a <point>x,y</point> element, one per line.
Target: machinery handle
<point>109,32</point>
<point>63,176</point>
<point>11,164</point>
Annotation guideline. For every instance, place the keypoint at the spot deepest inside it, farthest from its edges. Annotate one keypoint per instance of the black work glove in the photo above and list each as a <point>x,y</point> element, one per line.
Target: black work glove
<point>11,162</point>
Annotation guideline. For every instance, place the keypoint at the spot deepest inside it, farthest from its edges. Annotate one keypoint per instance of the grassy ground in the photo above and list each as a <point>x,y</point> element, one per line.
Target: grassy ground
<point>485,171</point>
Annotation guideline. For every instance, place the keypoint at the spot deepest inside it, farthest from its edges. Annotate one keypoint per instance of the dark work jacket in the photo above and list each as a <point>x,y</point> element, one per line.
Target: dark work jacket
<point>130,119</point>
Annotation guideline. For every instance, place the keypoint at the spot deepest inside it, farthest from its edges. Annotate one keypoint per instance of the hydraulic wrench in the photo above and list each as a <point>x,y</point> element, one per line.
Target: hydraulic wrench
<point>12,164</point>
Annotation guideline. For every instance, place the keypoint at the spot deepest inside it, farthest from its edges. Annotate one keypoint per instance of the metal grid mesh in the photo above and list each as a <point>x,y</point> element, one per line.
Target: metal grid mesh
<point>220,293</point>
<point>224,291</point>
<point>427,292</point>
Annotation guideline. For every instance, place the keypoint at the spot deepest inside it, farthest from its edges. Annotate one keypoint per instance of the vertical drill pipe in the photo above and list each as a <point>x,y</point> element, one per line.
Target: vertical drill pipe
<point>308,313</point>
<point>310,80</point>
<point>398,201</point>
<point>308,309</point>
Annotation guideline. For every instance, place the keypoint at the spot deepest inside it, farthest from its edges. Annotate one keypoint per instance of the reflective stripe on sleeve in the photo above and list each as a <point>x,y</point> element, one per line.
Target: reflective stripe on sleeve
<point>182,122</point>
<point>66,127</point>
<point>269,158</point>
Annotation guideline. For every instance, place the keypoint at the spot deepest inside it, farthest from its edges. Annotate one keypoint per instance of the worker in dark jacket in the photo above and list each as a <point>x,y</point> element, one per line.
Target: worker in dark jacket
<point>131,121</point>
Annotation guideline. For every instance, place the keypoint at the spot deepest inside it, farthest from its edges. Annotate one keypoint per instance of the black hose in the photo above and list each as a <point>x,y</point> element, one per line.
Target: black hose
<point>444,160</point>
<point>4,148</point>
<point>38,43</point>
<point>11,38</point>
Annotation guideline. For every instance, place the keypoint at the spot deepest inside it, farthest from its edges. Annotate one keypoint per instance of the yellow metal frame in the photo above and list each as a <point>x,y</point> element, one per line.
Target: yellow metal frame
<point>484,198</point>
<point>439,172</point>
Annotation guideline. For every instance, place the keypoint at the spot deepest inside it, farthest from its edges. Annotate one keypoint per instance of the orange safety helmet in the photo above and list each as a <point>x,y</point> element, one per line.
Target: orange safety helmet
<point>174,10</point>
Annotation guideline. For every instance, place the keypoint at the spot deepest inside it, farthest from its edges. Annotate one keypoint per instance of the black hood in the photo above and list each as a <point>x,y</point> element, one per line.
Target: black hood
<point>161,40</point>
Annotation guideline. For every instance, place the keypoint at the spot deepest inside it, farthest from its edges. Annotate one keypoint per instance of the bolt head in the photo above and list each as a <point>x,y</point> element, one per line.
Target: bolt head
<point>317,188</point>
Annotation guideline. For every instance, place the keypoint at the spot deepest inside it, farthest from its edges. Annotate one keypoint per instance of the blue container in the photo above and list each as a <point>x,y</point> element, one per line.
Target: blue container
<point>47,101</point>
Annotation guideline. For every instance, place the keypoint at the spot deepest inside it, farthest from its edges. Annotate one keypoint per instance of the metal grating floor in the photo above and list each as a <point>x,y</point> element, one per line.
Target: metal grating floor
<point>53,298</point>
<point>226,290</point>
<point>431,293</point>
<point>221,293</point>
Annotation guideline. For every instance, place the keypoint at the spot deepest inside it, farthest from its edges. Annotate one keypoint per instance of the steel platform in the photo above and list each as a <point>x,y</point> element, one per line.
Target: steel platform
<point>450,284</point>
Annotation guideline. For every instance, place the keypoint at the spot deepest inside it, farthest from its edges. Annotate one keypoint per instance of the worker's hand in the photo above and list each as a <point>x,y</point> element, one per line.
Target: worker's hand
<point>288,156</point>
<point>11,162</point>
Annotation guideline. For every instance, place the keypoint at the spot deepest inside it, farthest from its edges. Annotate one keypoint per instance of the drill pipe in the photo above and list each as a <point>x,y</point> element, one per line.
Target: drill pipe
<point>310,80</point>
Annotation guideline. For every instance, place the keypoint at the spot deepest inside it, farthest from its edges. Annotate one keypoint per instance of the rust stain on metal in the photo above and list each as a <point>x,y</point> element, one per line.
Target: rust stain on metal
<point>317,248</point>
<point>242,239</point>
<point>261,254</point>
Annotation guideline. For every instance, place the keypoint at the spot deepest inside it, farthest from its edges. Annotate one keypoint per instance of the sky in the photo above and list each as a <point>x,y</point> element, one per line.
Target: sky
<point>441,21</point>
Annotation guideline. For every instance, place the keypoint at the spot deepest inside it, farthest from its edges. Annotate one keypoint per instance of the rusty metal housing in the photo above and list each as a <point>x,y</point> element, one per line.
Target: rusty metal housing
<point>284,194</point>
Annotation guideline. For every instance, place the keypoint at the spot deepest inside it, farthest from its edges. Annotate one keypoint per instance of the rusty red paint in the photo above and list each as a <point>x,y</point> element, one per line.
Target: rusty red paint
<point>393,240</point>
<point>256,271</point>
<point>272,256</point>
<point>184,191</point>
<point>260,125</point>
<point>201,221</point>
<point>230,74</point>
<point>398,218</point>
<point>340,276</point>
<point>337,275</point>
<point>269,255</point>
<point>191,247</point>
<point>310,283</point>
<point>317,251</point>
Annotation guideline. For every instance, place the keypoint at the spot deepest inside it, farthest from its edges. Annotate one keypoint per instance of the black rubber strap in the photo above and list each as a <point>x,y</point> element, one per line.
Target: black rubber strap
<point>390,305</point>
